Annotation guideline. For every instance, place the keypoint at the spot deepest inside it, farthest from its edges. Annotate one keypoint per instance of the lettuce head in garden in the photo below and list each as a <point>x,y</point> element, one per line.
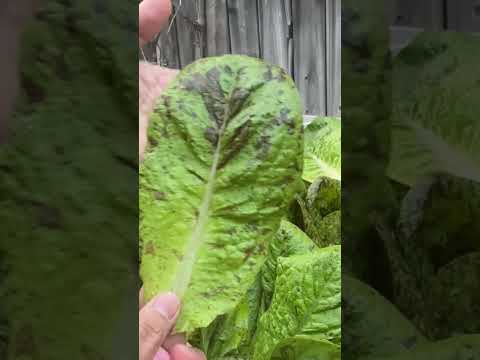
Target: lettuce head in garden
<point>431,235</point>
<point>225,158</point>
<point>219,184</point>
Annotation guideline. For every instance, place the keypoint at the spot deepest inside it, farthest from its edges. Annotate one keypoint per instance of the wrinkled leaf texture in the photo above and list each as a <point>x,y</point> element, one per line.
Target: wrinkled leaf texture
<point>306,301</point>
<point>225,157</point>
<point>323,149</point>
<point>371,325</point>
<point>435,114</point>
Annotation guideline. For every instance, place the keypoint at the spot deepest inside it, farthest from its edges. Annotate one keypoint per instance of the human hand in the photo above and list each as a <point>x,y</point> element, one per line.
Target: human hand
<point>153,16</point>
<point>156,320</point>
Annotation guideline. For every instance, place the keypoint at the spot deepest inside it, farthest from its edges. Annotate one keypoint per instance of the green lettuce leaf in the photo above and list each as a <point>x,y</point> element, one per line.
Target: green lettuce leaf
<point>372,325</point>
<point>306,301</point>
<point>234,332</point>
<point>321,211</point>
<point>323,149</point>
<point>435,114</point>
<point>466,347</point>
<point>306,347</point>
<point>225,157</point>
<point>454,297</point>
<point>288,241</point>
<point>230,335</point>
<point>328,231</point>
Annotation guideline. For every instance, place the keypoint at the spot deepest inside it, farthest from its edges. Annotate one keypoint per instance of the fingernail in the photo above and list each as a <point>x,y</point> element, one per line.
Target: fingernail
<point>161,355</point>
<point>167,304</point>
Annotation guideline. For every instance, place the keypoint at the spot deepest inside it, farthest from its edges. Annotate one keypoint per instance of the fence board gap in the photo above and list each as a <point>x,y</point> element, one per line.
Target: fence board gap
<point>333,56</point>
<point>243,27</point>
<point>187,29</point>
<point>167,49</point>
<point>274,32</point>
<point>309,54</point>
<point>217,37</point>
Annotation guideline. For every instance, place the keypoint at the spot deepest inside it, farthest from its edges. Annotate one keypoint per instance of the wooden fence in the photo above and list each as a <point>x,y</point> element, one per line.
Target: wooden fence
<point>409,17</point>
<point>454,15</point>
<point>301,36</point>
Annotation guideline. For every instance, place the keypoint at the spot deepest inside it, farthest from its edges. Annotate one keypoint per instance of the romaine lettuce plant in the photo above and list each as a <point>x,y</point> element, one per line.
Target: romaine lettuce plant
<point>299,276</point>
<point>430,233</point>
<point>225,157</point>
<point>224,164</point>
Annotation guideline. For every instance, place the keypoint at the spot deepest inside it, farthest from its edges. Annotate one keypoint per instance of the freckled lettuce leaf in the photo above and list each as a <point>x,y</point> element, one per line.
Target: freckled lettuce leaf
<point>288,241</point>
<point>321,211</point>
<point>454,297</point>
<point>466,347</point>
<point>435,113</point>
<point>306,347</point>
<point>306,301</point>
<point>234,332</point>
<point>323,149</point>
<point>365,312</point>
<point>224,159</point>
<point>231,335</point>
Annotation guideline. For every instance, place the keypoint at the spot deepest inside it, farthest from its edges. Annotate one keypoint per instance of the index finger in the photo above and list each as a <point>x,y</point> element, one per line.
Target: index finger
<point>153,15</point>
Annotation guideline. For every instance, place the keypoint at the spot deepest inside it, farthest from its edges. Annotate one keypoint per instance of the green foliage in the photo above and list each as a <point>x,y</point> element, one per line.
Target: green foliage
<point>209,199</point>
<point>59,185</point>
<point>429,235</point>
<point>301,276</point>
<point>224,166</point>
<point>306,301</point>
<point>323,149</point>
<point>435,118</point>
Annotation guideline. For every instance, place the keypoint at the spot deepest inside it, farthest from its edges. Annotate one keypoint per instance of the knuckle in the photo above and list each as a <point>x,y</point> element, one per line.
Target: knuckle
<point>151,330</point>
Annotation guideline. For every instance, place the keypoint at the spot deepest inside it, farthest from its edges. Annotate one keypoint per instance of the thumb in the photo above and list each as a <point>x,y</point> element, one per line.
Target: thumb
<point>156,320</point>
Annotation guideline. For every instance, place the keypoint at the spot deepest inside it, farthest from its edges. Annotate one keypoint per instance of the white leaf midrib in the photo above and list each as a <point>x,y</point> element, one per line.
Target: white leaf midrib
<point>446,156</point>
<point>327,169</point>
<point>185,268</point>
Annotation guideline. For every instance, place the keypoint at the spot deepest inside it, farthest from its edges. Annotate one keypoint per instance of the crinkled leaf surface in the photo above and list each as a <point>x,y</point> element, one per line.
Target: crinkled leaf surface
<point>323,149</point>
<point>230,335</point>
<point>328,231</point>
<point>372,325</point>
<point>306,301</point>
<point>454,297</point>
<point>321,211</point>
<point>233,333</point>
<point>466,347</point>
<point>306,347</point>
<point>288,241</point>
<point>226,153</point>
<point>435,113</point>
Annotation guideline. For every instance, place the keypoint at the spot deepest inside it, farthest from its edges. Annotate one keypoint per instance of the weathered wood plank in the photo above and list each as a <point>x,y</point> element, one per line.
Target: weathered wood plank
<point>463,15</point>
<point>217,34</point>
<point>189,31</point>
<point>147,52</point>
<point>426,14</point>
<point>243,27</point>
<point>288,16</point>
<point>274,32</point>
<point>333,56</point>
<point>200,44</point>
<point>309,54</point>
<point>260,25</point>
<point>167,51</point>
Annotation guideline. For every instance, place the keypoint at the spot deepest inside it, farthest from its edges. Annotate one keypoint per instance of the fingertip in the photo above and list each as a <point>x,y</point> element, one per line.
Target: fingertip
<point>153,16</point>
<point>184,352</point>
<point>167,304</point>
<point>162,354</point>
